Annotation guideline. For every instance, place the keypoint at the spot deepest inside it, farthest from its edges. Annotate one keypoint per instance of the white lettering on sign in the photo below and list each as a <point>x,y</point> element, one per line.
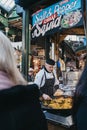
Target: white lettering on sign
<point>42,29</point>
<point>45,15</point>
<point>58,8</point>
<point>62,9</point>
<point>52,17</point>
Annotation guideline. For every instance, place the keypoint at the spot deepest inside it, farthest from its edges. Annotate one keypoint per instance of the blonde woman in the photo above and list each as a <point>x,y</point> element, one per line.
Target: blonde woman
<point>19,103</point>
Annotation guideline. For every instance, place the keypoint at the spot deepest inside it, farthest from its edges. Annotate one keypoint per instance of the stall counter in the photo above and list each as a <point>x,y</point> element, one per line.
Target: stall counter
<point>58,122</point>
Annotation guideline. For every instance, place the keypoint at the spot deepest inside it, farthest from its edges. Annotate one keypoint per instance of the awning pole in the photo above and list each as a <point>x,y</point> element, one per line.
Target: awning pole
<point>86,30</point>
<point>25,43</point>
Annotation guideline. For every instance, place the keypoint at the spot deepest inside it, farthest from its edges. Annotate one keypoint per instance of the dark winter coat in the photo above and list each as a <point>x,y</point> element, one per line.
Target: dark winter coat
<point>20,109</point>
<point>80,112</point>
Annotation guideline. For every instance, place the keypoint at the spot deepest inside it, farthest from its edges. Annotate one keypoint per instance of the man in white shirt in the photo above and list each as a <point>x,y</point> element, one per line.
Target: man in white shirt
<point>47,80</point>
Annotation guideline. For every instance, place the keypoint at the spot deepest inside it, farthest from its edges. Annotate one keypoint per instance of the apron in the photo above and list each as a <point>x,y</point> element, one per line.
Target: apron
<point>48,86</point>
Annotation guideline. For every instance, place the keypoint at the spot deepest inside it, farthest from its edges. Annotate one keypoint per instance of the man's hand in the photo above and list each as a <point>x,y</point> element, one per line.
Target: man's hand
<point>46,97</point>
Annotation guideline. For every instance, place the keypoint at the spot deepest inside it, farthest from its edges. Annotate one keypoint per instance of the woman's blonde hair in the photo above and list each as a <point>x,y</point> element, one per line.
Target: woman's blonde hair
<point>8,62</point>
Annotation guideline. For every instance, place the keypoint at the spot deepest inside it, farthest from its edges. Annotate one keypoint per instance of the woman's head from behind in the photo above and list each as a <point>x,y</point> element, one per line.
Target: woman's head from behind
<point>7,59</point>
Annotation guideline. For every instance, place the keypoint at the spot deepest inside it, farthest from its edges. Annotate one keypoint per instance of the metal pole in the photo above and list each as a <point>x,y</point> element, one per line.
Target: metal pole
<point>47,47</point>
<point>25,40</point>
<point>86,31</point>
<point>29,42</point>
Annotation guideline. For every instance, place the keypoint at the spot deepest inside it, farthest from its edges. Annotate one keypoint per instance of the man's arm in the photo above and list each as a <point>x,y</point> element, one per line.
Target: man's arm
<point>40,78</point>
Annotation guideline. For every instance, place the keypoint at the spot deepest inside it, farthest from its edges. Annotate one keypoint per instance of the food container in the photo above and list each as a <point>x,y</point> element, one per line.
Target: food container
<point>62,105</point>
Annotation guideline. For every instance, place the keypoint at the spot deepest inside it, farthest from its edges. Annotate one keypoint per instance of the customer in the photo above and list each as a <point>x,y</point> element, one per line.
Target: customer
<point>58,66</point>
<point>47,80</point>
<point>31,75</point>
<point>20,108</point>
<point>80,102</point>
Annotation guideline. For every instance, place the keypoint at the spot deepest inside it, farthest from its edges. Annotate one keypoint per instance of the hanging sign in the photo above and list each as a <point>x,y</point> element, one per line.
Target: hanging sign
<point>64,14</point>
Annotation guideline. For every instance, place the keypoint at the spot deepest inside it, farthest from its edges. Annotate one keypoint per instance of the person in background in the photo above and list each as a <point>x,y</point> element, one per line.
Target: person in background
<point>79,109</point>
<point>58,64</point>
<point>47,80</point>
<point>31,75</point>
<point>20,108</point>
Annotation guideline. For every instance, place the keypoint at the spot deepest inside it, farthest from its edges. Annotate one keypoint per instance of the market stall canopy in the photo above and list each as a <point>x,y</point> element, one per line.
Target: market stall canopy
<point>25,3</point>
<point>67,48</point>
<point>7,5</point>
<point>34,5</point>
<point>77,45</point>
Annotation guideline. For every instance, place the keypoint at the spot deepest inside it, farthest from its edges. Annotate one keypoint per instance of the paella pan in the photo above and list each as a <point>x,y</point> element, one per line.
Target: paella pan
<point>58,105</point>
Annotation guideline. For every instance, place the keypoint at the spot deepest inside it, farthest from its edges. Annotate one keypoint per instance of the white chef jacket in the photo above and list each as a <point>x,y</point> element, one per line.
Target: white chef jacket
<point>40,78</point>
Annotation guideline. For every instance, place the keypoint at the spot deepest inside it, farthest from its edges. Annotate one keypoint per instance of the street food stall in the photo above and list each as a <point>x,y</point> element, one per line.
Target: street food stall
<point>59,17</point>
<point>58,122</point>
<point>58,112</point>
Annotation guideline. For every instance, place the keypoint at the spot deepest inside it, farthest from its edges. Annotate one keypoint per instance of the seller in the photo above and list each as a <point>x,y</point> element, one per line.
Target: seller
<point>47,80</point>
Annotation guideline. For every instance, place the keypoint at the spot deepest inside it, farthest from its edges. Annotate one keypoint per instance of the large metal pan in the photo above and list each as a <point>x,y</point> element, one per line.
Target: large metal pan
<point>62,112</point>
